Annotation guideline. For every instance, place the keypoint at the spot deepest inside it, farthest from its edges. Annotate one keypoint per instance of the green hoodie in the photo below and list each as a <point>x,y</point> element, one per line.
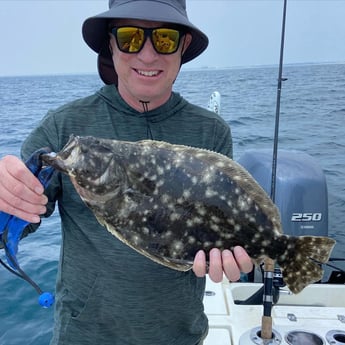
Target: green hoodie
<point>107,293</point>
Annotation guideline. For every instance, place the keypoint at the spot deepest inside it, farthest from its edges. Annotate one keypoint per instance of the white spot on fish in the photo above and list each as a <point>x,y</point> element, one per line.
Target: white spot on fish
<point>179,159</point>
<point>215,219</point>
<point>201,154</point>
<point>177,246</point>
<point>215,227</point>
<point>266,243</point>
<point>186,193</point>
<point>201,210</point>
<point>160,170</point>
<point>242,203</point>
<point>208,177</point>
<point>237,178</point>
<point>210,192</point>
<point>219,244</point>
<point>174,216</point>
<point>165,198</point>
<point>166,235</point>
<point>237,227</point>
<point>160,183</point>
<point>136,239</point>
<point>195,180</point>
<point>191,239</point>
<point>207,244</point>
<point>146,231</point>
<point>220,164</point>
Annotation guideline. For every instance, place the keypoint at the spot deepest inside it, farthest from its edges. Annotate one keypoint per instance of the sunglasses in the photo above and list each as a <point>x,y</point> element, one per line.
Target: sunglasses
<point>131,39</point>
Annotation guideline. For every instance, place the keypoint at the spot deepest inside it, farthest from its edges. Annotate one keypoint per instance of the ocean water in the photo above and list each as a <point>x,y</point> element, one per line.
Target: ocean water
<point>312,120</point>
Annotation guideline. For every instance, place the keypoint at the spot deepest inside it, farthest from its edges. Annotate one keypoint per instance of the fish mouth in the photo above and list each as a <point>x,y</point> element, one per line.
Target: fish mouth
<point>59,160</point>
<point>53,160</point>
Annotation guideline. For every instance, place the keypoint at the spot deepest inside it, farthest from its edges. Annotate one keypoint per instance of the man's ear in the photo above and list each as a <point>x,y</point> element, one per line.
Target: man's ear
<point>111,40</point>
<point>186,42</point>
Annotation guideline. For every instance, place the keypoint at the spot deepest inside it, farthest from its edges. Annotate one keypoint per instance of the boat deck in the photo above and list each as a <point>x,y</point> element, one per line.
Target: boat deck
<point>314,316</point>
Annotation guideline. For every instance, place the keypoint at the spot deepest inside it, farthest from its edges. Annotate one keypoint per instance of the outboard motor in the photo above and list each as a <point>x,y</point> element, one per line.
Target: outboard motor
<point>301,189</point>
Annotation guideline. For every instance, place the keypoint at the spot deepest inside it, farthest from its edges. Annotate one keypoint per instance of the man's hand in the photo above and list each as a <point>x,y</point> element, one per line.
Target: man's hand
<point>21,193</point>
<point>231,263</point>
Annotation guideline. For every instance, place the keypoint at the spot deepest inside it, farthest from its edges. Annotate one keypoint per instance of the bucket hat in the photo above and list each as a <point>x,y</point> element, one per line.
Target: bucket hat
<point>96,32</point>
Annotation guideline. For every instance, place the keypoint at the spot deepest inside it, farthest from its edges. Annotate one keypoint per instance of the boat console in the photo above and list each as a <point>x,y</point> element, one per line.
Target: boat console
<point>316,316</point>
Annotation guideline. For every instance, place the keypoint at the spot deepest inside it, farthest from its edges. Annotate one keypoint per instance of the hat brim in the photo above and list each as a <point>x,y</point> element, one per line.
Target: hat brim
<point>95,31</point>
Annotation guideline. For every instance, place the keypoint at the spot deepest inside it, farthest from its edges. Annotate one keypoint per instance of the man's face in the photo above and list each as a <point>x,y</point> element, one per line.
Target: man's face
<point>147,75</point>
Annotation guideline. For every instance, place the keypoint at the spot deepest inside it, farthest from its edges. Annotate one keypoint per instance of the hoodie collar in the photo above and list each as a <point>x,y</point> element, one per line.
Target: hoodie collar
<point>111,96</point>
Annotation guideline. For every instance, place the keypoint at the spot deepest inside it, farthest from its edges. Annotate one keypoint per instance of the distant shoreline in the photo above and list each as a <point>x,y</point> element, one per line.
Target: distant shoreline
<point>184,69</point>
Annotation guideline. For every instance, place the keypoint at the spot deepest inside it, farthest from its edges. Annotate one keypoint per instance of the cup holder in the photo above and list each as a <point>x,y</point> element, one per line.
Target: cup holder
<point>255,337</point>
<point>303,338</point>
<point>335,337</point>
<point>295,337</point>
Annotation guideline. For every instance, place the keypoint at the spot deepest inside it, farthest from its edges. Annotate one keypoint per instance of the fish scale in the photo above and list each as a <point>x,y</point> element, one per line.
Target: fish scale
<point>169,201</point>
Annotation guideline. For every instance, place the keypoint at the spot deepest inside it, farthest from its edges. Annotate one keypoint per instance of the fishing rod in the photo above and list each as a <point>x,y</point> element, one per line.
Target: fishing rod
<point>277,117</point>
<point>266,322</point>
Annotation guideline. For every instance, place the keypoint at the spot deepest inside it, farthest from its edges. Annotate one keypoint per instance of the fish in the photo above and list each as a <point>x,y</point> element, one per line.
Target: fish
<point>168,201</point>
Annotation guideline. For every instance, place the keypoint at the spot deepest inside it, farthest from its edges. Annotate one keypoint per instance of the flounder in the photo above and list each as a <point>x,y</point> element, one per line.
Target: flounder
<point>169,201</point>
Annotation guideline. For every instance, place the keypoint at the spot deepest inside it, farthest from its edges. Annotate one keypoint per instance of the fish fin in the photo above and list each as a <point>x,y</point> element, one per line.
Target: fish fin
<point>303,267</point>
<point>177,264</point>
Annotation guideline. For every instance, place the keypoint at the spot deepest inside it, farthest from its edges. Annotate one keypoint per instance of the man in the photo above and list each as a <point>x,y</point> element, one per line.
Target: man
<point>107,293</point>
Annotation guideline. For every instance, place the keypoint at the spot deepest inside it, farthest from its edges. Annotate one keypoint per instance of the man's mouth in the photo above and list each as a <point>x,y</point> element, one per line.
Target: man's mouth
<point>147,73</point>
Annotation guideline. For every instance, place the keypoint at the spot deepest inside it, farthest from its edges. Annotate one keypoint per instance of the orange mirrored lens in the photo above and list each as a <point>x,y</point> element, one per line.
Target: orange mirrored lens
<point>131,39</point>
<point>165,40</point>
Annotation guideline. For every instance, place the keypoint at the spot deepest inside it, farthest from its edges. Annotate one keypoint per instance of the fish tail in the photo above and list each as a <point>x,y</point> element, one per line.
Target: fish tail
<point>301,261</point>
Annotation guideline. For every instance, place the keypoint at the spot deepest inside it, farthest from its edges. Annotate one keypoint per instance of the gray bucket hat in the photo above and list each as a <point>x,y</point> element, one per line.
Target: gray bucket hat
<point>95,29</point>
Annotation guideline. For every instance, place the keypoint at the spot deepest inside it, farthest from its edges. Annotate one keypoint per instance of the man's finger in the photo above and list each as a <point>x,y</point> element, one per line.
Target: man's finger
<point>199,265</point>
<point>216,267</point>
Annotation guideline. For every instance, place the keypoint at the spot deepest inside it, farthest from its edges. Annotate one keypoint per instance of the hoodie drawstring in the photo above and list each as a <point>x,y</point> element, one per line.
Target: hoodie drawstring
<point>146,109</point>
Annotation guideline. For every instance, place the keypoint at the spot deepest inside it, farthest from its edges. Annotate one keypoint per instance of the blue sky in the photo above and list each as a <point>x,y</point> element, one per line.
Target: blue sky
<point>44,37</point>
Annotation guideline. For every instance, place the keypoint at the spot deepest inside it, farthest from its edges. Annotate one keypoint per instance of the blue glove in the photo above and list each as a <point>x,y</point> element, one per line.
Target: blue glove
<point>11,227</point>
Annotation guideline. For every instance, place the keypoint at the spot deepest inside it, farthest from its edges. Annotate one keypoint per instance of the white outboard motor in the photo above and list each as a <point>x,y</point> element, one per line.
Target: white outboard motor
<point>301,189</point>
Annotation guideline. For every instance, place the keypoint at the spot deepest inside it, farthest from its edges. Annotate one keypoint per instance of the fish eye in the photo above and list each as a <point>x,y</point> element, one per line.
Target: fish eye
<point>84,149</point>
<point>86,171</point>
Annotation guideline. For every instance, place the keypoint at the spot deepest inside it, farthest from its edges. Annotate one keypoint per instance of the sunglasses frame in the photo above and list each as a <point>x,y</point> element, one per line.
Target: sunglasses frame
<point>148,33</point>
